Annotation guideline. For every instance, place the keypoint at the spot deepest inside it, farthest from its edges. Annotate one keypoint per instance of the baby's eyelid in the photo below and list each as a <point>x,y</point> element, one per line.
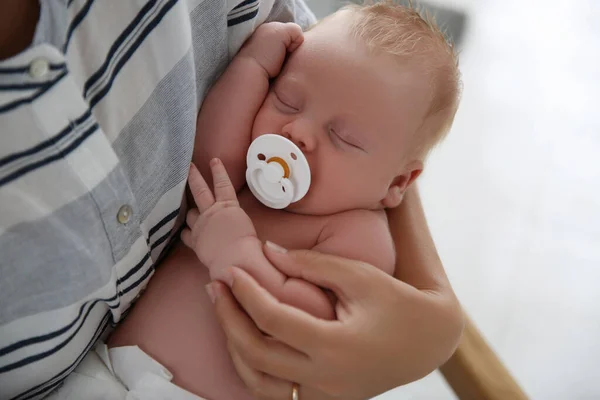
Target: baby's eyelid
<point>285,102</point>
<point>343,139</point>
<point>332,132</point>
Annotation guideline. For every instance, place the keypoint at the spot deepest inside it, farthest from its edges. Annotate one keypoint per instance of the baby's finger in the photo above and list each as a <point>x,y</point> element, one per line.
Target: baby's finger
<point>200,191</point>
<point>296,36</point>
<point>186,238</point>
<point>224,190</point>
<point>192,217</point>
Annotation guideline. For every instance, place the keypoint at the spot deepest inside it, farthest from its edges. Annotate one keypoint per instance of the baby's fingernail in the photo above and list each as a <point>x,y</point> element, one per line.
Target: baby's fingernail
<point>212,295</point>
<point>275,247</point>
<point>214,162</point>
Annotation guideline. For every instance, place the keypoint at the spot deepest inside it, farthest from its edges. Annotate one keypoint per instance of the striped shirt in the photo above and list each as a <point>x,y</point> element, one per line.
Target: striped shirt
<point>97,123</point>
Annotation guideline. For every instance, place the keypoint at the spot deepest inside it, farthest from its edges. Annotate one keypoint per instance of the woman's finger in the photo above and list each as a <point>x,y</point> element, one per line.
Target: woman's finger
<point>260,385</point>
<point>266,387</point>
<point>192,217</point>
<point>261,353</point>
<point>223,188</point>
<point>292,326</point>
<point>348,279</point>
<point>200,191</point>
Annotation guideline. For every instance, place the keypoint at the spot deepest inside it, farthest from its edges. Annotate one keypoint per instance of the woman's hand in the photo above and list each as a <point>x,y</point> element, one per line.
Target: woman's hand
<point>387,333</point>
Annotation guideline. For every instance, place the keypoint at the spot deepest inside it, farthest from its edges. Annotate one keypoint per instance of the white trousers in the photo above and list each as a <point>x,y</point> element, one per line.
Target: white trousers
<point>120,373</point>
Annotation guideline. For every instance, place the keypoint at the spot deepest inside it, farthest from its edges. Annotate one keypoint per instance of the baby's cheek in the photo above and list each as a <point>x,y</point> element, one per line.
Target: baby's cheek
<point>265,122</point>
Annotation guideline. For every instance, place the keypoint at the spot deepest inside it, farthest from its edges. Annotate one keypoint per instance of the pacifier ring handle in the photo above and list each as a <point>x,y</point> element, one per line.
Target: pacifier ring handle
<point>284,165</point>
<point>277,171</point>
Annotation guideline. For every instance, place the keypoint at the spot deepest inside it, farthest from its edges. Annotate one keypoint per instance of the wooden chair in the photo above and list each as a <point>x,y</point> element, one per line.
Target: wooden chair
<point>475,373</point>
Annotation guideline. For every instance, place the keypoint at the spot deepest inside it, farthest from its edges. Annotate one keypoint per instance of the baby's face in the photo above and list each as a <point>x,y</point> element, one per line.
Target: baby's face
<point>352,114</point>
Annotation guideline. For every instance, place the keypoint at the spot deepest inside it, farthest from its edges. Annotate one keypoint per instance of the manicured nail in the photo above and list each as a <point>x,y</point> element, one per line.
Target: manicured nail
<point>275,247</point>
<point>211,292</point>
<point>228,277</point>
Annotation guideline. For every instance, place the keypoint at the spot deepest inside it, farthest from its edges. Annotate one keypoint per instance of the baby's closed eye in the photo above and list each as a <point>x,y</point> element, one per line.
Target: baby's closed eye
<point>343,139</point>
<point>284,103</point>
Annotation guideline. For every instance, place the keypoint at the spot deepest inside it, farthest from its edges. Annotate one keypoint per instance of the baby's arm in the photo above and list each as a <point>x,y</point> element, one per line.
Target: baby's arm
<point>222,235</point>
<point>224,125</point>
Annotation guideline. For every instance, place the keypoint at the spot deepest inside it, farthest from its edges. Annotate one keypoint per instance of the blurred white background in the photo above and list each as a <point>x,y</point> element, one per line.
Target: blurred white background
<point>513,195</point>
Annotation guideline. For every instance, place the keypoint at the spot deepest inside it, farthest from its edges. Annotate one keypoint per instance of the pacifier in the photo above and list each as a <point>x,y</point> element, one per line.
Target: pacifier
<point>277,172</point>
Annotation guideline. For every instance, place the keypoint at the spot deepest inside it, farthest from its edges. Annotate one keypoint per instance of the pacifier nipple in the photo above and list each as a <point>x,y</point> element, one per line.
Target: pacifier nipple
<point>277,172</point>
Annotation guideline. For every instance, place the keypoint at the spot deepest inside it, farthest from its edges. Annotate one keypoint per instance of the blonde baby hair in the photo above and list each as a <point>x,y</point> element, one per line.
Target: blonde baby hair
<point>406,32</point>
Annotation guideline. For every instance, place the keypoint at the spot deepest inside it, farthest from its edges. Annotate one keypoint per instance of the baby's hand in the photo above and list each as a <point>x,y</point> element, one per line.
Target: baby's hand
<point>270,43</point>
<point>218,225</point>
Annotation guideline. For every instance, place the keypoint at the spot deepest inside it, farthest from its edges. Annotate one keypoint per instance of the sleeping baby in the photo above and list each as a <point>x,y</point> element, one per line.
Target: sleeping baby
<point>304,141</point>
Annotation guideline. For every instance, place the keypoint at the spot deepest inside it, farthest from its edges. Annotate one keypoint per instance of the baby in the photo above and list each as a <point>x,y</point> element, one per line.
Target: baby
<point>364,95</point>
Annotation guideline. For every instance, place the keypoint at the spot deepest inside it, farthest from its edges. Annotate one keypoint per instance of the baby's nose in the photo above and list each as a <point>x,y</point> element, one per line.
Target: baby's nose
<point>301,136</point>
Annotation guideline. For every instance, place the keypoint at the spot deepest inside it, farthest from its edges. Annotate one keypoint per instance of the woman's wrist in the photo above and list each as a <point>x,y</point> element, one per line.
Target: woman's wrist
<point>419,265</point>
<point>417,259</point>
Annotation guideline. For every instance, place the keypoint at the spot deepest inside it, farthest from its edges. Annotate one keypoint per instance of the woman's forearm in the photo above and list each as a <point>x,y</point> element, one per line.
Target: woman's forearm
<point>417,260</point>
<point>418,264</point>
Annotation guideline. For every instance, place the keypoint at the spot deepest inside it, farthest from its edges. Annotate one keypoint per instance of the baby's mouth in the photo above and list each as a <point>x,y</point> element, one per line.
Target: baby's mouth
<point>278,172</point>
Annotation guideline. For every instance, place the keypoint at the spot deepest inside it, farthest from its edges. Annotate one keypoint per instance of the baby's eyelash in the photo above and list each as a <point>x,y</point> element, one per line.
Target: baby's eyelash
<point>286,104</point>
<point>341,139</point>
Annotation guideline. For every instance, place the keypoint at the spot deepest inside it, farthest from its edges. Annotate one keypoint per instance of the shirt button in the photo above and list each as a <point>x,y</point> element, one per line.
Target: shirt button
<point>39,68</point>
<point>124,214</point>
<point>141,292</point>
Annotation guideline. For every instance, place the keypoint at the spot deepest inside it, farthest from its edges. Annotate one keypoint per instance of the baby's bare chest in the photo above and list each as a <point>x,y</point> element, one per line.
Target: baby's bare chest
<point>292,231</point>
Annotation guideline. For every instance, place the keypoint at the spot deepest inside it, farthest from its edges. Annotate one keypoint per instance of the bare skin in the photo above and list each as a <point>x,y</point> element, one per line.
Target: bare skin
<point>254,355</point>
<point>356,173</point>
<point>18,19</point>
<point>175,321</point>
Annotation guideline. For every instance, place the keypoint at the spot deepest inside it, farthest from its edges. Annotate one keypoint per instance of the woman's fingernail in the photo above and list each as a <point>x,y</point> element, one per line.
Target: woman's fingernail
<point>228,277</point>
<point>275,247</point>
<point>210,289</point>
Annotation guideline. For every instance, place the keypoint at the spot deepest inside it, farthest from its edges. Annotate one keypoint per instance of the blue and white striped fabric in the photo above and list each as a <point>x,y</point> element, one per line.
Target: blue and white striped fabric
<point>97,123</point>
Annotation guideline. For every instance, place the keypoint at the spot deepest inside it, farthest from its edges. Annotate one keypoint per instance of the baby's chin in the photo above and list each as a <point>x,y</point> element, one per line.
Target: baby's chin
<point>317,208</point>
<point>305,207</point>
<point>323,206</point>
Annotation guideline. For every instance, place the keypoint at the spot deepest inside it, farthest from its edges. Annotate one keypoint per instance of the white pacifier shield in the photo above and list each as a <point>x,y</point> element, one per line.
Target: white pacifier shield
<point>265,173</point>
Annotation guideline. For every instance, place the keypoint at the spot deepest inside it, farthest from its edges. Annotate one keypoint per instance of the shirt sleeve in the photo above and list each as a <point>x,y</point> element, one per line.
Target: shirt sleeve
<point>292,11</point>
<point>245,16</point>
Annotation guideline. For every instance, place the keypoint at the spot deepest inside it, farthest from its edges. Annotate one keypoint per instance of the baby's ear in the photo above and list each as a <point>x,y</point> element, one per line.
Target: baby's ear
<point>395,192</point>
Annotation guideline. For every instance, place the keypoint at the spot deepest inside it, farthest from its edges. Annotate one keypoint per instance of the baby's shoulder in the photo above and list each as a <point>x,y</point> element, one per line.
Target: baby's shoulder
<point>361,235</point>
